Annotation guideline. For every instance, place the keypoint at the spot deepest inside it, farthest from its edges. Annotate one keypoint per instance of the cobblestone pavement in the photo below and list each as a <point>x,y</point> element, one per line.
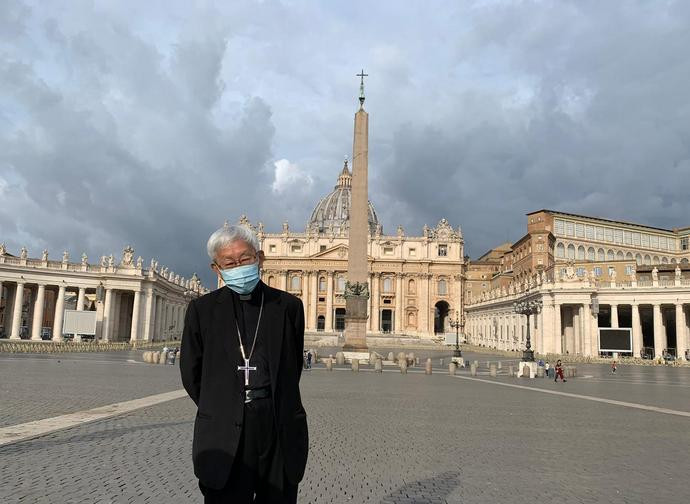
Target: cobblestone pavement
<point>389,438</point>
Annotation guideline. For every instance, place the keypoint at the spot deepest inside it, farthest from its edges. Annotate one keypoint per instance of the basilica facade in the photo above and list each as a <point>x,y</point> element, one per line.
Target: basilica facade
<point>415,281</point>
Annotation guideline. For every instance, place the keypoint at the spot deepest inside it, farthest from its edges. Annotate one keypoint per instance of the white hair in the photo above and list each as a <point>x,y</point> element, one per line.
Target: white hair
<point>230,234</point>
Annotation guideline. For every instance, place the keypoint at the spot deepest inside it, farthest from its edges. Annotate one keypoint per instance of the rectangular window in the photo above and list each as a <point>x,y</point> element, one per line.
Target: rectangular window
<point>322,248</point>
<point>570,229</point>
<point>581,272</point>
<point>600,233</point>
<point>612,270</point>
<point>618,235</point>
<point>387,250</point>
<point>296,248</point>
<point>684,243</point>
<point>597,271</point>
<point>442,250</point>
<point>413,252</point>
<point>580,230</point>
<point>628,237</point>
<point>272,249</point>
<point>636,239</point>
<point>589,231</point>
<point>654,241</point>
<point>629,269</point>
<point>645,240</point>
<point>609,234</point>
<point>662,243</point>
<point>560,227</point>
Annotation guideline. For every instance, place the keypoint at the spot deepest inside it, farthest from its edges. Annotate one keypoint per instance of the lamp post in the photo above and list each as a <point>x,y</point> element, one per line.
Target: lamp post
<point>456,324</point>
<point>528,307</point>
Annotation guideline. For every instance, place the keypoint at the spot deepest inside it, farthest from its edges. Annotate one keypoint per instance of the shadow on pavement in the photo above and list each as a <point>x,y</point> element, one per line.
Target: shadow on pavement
<point>427,491</point>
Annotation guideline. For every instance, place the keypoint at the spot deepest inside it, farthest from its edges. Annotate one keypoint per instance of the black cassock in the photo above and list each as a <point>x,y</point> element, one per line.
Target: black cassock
<point>258,446</point>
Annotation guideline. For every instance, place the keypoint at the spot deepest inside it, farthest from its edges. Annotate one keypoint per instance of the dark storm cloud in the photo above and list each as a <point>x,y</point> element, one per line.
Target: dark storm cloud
<point>151,123</point>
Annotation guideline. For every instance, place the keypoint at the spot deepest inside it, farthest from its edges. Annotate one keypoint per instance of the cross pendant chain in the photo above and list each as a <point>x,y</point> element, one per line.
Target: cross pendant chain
<point>246,368</point>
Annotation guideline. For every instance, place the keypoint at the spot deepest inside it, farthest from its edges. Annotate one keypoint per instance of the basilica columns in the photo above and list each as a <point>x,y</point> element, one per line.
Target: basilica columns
<point>313,286</point>
<point>375,299</point>
<point>80,299</point>
<point>134,333</point>
<point>148,317</point>
<point>659,344</point>
<point>107,314</point>
<point>17,311</point>
<point>329,302</point>
<point>636,331</point>
<point>37,322</point>
<point>399,316</point>
<point>680,331</point>
<point>614,316</point>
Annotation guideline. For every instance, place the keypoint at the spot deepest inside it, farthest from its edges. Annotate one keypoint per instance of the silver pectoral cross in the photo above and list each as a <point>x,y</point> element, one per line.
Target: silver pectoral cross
<point>246,368</point>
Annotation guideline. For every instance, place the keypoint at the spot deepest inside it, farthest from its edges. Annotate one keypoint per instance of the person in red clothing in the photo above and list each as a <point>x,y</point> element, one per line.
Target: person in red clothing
<point>559,371</point>
<point>613,367</point>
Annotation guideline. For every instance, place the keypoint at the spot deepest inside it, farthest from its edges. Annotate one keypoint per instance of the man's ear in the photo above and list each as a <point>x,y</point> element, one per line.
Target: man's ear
<point>216,270</point>
<point>262,257</point>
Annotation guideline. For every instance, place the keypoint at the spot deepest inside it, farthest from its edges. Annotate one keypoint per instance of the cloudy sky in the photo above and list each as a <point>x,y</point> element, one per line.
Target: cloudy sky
<point>150,123</point>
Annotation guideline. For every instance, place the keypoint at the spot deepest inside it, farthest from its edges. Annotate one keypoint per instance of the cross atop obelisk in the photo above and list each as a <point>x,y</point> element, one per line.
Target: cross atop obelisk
<point>357,286</point>
<point>361,88</point>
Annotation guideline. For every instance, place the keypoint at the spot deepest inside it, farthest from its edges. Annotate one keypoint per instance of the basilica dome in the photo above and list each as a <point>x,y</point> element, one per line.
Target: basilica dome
<point>332,214</point>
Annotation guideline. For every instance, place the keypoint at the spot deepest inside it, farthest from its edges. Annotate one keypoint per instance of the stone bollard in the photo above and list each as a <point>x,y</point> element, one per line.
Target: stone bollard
<point>452,367</point>
<point>427,368</point>
<point>500,365</point>
<point>441,362</point>
<point>574,371</point>
<point>155,357</point>
<point>146,357</point>
<point>163,358</point>
<point>411,358</point>
<point>340,358</point>
<point>355,365</point>
<point>403,366</point>
<point>416,361</point>
<point>476,363</point>
<point>402,357</point>
<point>540,372</point>
<point>329,364</point>
<point>391,356</point>
<point>473,369</point>
<point>511,370</point>
<point>492,371</point>
<point>378,366</point>
<point>373,357</point>
<point>488,364</point>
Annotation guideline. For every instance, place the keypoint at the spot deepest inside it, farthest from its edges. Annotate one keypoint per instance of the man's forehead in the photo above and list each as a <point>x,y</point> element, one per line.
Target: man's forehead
<point>238,246</point>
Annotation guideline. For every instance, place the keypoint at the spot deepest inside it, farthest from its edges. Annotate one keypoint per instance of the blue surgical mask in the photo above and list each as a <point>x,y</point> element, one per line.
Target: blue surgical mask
<point>241,279</point>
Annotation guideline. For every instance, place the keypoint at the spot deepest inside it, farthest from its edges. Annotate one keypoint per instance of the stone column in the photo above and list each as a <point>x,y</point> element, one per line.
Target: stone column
<point>115,326</point>
<point>577,333</point>
<point>107,314</point>
<point>284,280</point>
<point>305,296</point>
<point>375,303</point>
<point>398,324</point>
<point>586,318</point>
<point>80,299</point>
<point>17,311</point>
<point>658,331</point>
<point>557,330</point>
<point>314,296</point>
<point>134,333</point>
<point>538,346</point>
<point>329,302</point>
<point>680,331</point>
<point>59,314</point>
<point>614,316</point>
<point>636,330</point>
<point>149,314</point>
<point>159,323</point>
<point>37,323</point>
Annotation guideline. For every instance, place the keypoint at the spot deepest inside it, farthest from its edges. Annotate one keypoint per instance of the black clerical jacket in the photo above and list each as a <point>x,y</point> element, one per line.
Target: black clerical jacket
<point>209,357</point>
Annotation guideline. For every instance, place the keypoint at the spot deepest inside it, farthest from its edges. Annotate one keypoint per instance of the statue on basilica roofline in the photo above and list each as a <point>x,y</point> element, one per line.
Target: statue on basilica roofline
<point>84,259</point>
<point>111,261</point>
<point>65,257</point>
<point>44,255</point>
<point>3,249</point>
<point>23,253</point>
<point>678,274</point>
<point>140,262</point>
<point>127,256</point>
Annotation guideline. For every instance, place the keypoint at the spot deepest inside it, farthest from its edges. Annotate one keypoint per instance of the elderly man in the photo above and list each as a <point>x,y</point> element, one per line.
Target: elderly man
<point>241,362</point>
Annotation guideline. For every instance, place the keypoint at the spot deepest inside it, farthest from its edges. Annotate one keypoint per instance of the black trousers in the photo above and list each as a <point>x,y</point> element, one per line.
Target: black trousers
<point>257,474</point>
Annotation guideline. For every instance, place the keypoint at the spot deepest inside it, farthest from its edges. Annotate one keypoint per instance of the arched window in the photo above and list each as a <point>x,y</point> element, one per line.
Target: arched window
<point>571,251</point>
<point>411,287</point>
<point>591,255</point>
<point>638,259</point>
<point>387,284</point>
<point>601,255</point>
<point>664,260</point>
<point>322,284</point>
<point>673,260</point>
<point>684,260</point>
<point>271,281</point>
<point>442,288</point>
<point>560,250</point>
<point>411,320</point>
<point>295,283</point>
<point>647,259</point>
<point>655,260</point>
<point>629,256</point>
<point>609,255</point>
<point>581,253</point>
<point>619,255</point>
<point>341,283</point>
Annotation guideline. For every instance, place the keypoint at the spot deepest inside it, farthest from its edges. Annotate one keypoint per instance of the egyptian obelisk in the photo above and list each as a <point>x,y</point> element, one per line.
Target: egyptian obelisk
<point>357,288</point>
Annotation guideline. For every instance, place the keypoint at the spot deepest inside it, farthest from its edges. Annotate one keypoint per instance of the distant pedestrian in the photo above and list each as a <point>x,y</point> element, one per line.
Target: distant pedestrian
<point>559,371</point>
<point>613,367</point>
<point>309,357</point>
<point>547,367</point>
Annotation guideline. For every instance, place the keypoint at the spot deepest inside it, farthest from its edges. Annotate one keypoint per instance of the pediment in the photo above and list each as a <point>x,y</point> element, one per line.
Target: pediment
<point>339,252</point>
